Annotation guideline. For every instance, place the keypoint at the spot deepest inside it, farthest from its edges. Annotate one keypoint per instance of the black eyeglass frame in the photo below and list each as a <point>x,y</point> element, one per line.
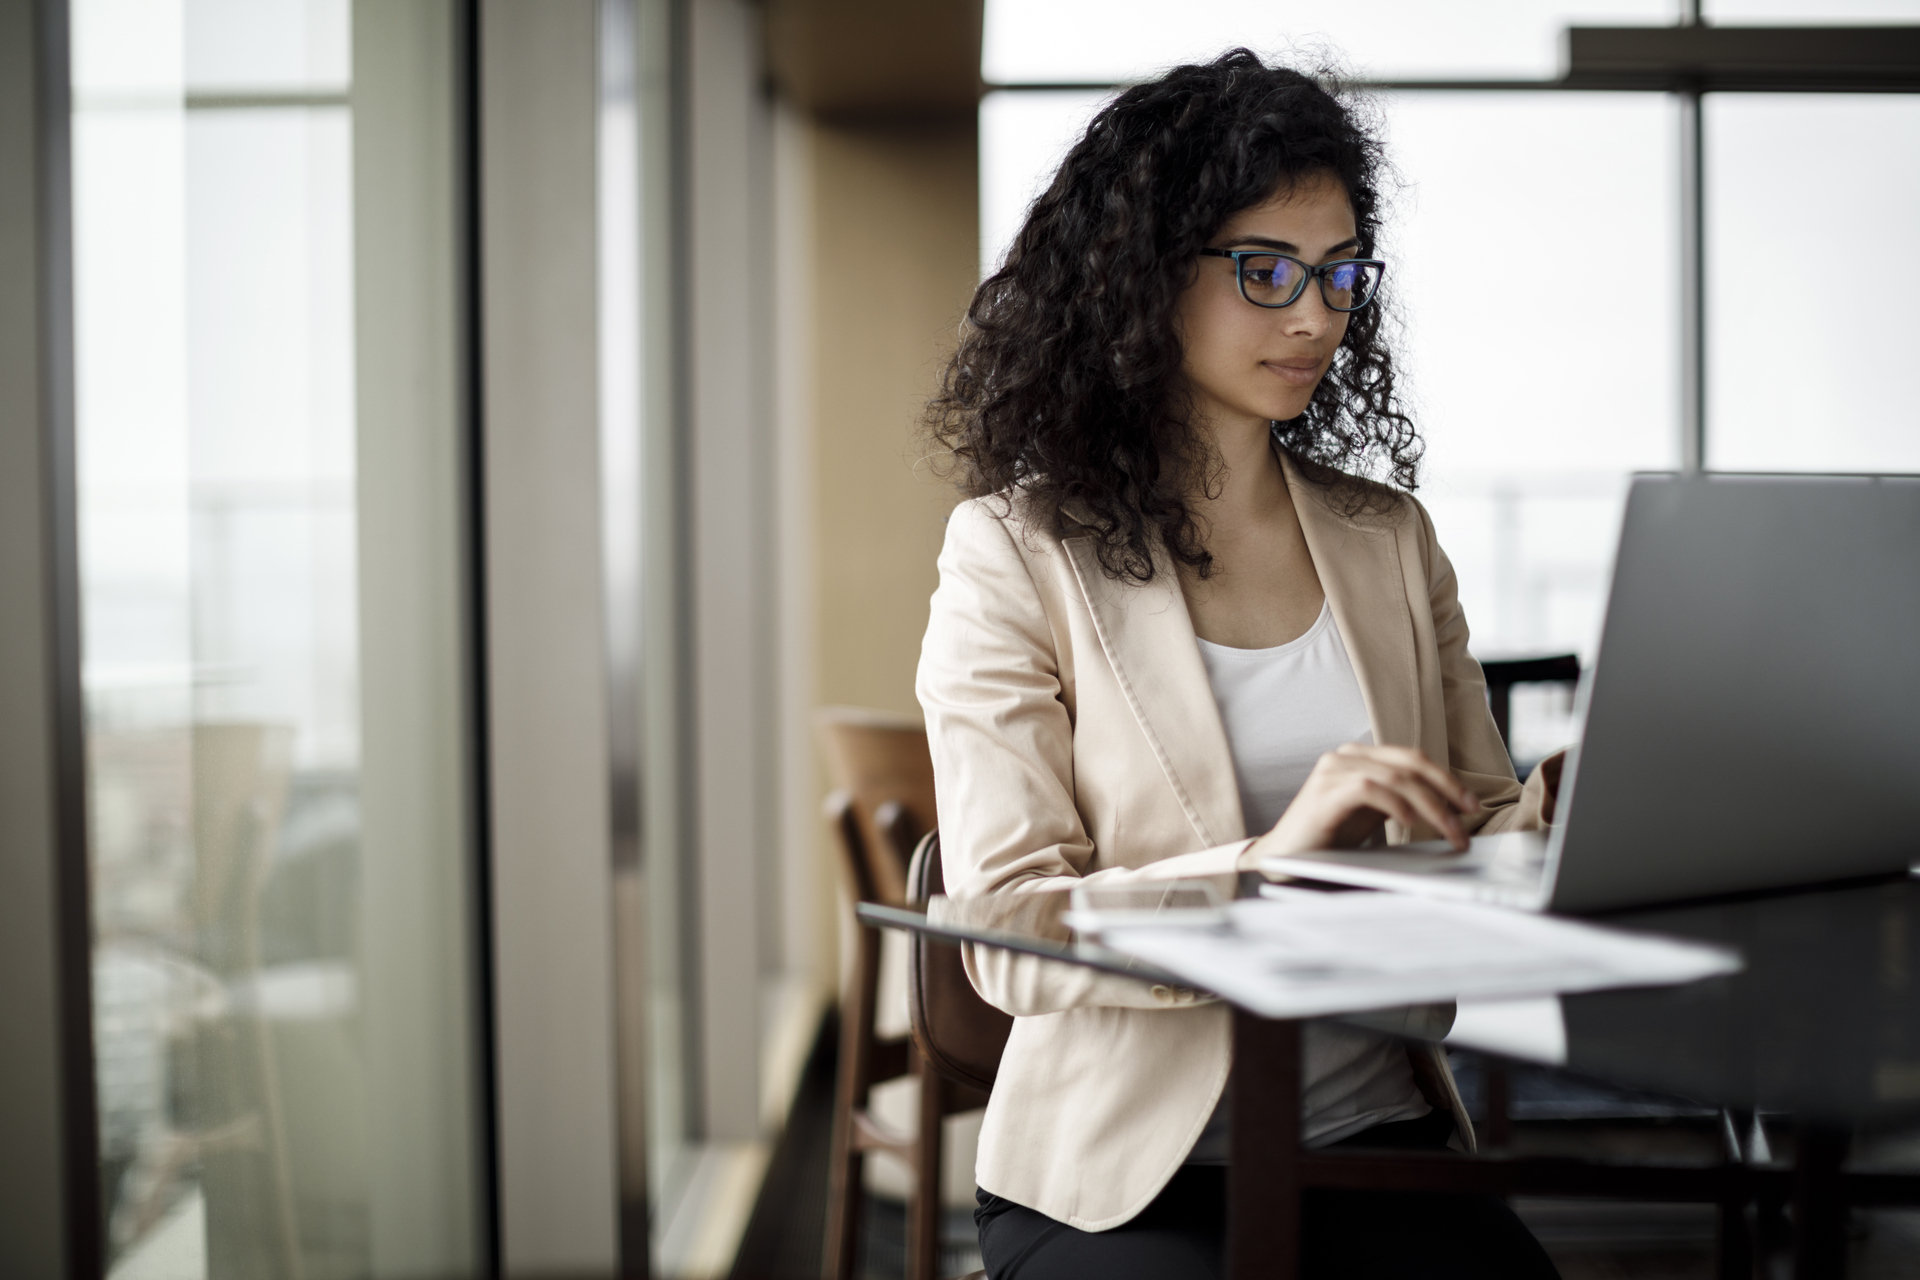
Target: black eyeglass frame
<point>1307,272</point>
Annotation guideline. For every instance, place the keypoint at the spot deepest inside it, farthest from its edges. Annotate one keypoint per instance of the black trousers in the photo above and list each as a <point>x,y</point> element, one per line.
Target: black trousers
<point>1353,1235</point>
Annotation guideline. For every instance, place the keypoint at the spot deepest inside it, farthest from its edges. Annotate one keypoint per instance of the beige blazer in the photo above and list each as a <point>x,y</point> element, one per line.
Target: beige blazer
<point>1075,737</point>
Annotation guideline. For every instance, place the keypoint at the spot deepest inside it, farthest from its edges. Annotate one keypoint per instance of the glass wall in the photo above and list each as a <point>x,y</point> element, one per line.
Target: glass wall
<point>268,422</point>
<point>1806,192</point>
<point>1535,409</point>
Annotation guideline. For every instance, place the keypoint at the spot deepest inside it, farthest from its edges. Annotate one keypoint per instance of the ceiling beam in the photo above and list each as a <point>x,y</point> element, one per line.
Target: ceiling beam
<point>866,58</point>
<point>1754,59</point>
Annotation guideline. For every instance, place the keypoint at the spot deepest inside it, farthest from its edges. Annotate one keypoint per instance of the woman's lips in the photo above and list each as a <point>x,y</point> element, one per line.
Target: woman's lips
<point>1295,373</point>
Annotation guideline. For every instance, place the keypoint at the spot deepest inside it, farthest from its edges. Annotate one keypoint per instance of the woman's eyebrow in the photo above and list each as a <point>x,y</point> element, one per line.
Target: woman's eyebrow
<point>1265,242</point>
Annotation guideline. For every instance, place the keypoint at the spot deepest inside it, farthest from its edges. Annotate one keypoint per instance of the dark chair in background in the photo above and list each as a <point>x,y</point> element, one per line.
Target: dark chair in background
<point>1489,1075</point>
<point>1504,673</point>
<point>1504,1094</point>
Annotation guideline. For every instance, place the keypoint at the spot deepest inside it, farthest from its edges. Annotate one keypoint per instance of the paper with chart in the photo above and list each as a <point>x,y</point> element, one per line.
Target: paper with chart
<point>1304,954</point>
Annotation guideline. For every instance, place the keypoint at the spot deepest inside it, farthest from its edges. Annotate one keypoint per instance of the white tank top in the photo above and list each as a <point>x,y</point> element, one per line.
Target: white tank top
<point>1283,708</point>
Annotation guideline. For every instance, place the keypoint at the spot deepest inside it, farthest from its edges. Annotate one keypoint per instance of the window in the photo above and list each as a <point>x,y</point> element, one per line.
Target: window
<point>1536,414</point>
<point>1536,409</point>
<point>1812,270</point>
<point>270,475</point>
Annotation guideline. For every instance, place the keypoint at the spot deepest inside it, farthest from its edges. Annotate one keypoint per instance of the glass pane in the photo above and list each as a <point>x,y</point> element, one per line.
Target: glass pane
<point>1536,409</point>
<point>1024,135</point>
<point>1809,371</point>
<point>240,46</point>
<point>282,973</point>
<point>1049,41</point>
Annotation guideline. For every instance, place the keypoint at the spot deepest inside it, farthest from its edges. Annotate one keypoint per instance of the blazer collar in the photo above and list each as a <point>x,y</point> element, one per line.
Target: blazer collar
<point>1148,638</point>
<point>1366,585</point>
<point>1147,635</point>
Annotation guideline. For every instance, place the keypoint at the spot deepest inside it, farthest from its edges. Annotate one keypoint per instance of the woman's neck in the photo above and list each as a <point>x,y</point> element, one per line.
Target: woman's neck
<point>1248,485</point>
<point>1262,589</point>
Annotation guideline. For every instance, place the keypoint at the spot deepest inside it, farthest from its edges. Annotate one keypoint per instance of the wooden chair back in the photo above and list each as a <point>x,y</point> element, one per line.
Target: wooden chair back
<point>960,1035</point>
<point>882,763</point>
<point>882,801</point>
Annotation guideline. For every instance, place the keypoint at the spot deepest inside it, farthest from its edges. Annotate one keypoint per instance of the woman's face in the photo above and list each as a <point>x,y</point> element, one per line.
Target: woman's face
<point>1246,364</point>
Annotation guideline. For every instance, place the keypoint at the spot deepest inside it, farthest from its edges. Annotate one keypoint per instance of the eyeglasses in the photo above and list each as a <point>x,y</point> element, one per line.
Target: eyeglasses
<point>1269,279</point>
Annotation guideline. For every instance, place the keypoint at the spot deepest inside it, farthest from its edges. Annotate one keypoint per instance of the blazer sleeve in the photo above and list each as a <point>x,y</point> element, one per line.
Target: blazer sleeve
<point>1002,743</point>
<point>1475,752</point>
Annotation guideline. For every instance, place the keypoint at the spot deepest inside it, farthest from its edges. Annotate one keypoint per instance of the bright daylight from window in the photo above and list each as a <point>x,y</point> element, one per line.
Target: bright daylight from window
<point>1533,263</point>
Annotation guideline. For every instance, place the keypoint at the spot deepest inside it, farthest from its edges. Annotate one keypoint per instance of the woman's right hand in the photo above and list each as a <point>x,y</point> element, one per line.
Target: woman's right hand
<point>1351,793</point>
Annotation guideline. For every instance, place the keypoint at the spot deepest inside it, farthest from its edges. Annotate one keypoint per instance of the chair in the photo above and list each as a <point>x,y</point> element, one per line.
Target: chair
<point>957,1036</point>
<point>881,760</point>
<point>1501,675</point>
<point>229,1130</point>
<point>884,773</point>
<point>1504,673</point>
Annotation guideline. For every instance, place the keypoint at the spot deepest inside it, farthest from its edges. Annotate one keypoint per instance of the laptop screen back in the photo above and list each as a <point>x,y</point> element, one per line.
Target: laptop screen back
<point>1753,720</point>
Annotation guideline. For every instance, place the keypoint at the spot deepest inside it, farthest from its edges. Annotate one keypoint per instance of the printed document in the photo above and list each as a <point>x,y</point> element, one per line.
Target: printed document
<point>1303,954</point>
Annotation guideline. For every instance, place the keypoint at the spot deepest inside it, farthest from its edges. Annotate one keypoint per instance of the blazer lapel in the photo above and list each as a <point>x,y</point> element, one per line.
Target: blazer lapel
<point>1359,568</point>
<point>1149,642</point>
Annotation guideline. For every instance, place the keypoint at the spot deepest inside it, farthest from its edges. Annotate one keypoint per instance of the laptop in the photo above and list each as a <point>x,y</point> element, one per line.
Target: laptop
<point>1752,721</point>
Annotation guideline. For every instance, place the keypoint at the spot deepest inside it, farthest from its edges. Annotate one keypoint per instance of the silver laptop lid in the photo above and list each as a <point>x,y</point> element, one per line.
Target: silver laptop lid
<point>1754,717</point>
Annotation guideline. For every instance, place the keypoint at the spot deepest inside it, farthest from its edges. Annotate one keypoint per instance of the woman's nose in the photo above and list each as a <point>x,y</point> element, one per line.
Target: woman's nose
<point>1309,316</point>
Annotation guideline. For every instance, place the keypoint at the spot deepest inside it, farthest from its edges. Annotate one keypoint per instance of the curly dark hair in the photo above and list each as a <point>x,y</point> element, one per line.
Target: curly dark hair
<point>1065,386</point>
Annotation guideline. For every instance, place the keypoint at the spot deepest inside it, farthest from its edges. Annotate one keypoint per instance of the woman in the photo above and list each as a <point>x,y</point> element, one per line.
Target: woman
<point>1176,631</point>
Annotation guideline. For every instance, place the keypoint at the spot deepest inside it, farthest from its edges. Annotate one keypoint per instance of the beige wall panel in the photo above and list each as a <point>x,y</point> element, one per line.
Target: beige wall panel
<point>808,933</point>
<point>896,230</point>
<point>728,540</point>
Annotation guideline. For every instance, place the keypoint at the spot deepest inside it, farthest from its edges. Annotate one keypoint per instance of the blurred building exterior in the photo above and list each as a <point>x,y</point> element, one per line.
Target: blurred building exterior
<point>449,449</point>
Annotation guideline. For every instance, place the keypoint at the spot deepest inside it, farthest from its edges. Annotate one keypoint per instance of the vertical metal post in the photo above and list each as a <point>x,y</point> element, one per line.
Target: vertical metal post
<point>1734,1231</point>
<point>53,189</point>
<point>50,1214</point>
<point>1263,1182</point>
<point>1499,1104</point>
<point>470,284</point>
<point>1819,1206</point>
<point>1693,273</point>
<point>1693,289</point>
<point>1733,1238</point>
